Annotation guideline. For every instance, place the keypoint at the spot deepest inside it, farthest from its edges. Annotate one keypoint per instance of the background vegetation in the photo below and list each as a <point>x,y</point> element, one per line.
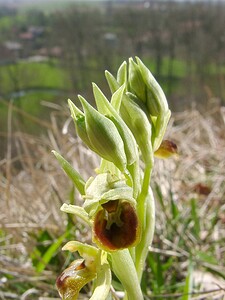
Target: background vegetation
<point>49,53</point>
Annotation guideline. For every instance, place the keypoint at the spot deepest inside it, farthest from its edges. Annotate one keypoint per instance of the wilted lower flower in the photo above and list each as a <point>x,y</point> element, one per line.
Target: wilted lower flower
<point>80,272</point>
<point>116,226</point>
<point>72,279</point>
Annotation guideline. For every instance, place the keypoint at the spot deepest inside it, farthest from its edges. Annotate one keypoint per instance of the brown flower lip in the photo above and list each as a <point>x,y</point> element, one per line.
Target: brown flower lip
<point>116,226</point>
<point>166,149</point>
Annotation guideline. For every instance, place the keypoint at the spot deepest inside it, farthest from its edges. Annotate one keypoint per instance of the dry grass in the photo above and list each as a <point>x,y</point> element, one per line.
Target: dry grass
<point>33,187</point>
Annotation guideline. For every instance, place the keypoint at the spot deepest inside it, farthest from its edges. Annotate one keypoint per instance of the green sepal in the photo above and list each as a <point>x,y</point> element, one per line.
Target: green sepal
<point>103,188</point>
<point>71,172</point>
<point>152,105</point>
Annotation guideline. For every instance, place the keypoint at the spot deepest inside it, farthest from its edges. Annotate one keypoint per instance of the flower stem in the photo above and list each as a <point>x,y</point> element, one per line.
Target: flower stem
<point>124,268</point>
<point>146,212</point>
<point>147,235</point>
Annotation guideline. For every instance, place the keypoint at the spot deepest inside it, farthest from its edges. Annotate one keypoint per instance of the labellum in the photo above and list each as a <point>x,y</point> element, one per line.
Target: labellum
<point>116,226</point>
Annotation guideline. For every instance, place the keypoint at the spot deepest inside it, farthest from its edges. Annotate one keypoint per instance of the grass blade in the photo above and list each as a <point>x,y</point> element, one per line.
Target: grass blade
<point>188,283</point>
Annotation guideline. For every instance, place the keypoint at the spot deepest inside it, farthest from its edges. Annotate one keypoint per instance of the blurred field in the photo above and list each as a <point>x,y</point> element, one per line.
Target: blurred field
<point>186,260</point>
<point>51,51</point>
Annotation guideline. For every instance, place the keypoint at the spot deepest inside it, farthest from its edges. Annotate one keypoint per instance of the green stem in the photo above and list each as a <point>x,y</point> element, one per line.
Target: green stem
<point>124,268</point>
<point>135,174</point>
<point>141,201</point>
<point>146,213</point>
<point>147,235</point>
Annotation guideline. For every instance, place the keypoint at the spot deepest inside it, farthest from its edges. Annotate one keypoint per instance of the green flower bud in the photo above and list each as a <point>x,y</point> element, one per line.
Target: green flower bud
<point>155,92</point>
<point>156,104</point>
<point>99,133</point>
<point>136,119</point>
<point>104,136</point>
<point>142,84</point>
<point>136,84</point>
<point>80,124</point>
<point>107,109</point>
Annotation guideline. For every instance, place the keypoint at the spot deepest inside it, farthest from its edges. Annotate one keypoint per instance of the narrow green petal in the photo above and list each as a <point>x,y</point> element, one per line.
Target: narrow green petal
<point>76,210</point>
<point>83,249</point>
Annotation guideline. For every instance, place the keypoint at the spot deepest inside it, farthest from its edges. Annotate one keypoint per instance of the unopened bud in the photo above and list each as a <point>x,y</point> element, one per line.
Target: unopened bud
<point>104,136</point>
<point>80,124</point>
<point>105,107</point>
<point>156,93</point>
<point>136,83</point>
<point>139,124</point>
